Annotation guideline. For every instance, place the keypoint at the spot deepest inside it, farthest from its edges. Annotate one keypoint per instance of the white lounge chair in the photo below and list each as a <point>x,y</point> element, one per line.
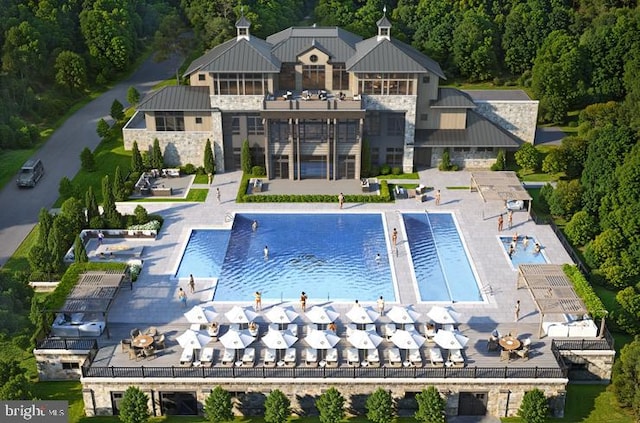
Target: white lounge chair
<point>311,327</point>
<point>234,326</point>
<point>410,327</point>
<point>290,357</point>
<point>394,357</point>
<point>228,357</point>
<point>249,356</point>
<point>435,355</point>
<point>187,357</point>
<point>373,357</point>
<point>350,328</point>
<point>352,357</point>
<point>388,330</point>
<point>270,357</point>
<point>332,357</point>
<point>311,358</point>
<point>415,357</point>
<point>206,356</point>
<point>370,327</point>
<point>429,331</point>
<point>293,328</point>
<point>455,356</point>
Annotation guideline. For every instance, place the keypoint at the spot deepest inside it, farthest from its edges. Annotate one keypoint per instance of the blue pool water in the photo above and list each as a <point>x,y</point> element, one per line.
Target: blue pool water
<point>329,256</point>
<point>523,255</point>
<point>440,262</point>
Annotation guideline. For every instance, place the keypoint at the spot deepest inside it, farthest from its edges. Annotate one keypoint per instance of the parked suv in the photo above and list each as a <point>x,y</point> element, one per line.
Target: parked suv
<point>30,173</point>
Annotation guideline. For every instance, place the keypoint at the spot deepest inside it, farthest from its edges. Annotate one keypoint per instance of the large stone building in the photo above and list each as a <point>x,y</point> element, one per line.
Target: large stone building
<point>308,99</point>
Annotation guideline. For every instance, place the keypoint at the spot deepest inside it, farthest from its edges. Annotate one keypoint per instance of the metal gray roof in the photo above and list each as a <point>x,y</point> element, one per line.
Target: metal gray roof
<point>452,98</point>
<point>390,56</point>
<point>504,95</point>
<point>237,55</point>
<point>480,132</point>
<point>289,43</point>
<point>177,98</point>
<point>384,22</point>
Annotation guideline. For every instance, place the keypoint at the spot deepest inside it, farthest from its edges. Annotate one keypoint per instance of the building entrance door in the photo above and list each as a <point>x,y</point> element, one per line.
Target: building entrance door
<point>422,158</point>
<point>472,404</point>
<point>178,403</point>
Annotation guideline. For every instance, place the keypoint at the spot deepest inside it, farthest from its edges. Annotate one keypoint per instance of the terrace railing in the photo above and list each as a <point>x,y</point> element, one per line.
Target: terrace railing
<point>262,372</point>
<point>582,344</point>
<point>67,344</point>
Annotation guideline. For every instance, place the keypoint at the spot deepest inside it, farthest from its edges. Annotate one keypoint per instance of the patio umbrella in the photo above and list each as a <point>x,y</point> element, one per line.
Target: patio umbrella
<point>193,339</point>
<point>322,315</point>
<point>450,340</point>
<point>281,315</point>
<point>362,315</point>
<point>322,339</point>
<point>279,340</point>
<point>407,340</point>
<point>442,315</point>
<point>402,315</point>
<point>364,340</point>
<point>239,314</point>
<point>236,340</point>
<point>199,314</point>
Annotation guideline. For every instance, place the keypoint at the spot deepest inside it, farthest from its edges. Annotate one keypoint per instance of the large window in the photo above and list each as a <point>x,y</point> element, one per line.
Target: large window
<point>340,77</point>
<point>255,125</point>
<point>287,77</point>
<point>348,131</point>
<point>169,121</point>
<point>279,130</point>
<point>395,125</point>
<point>313,77</point>
<point>372,124</point>
<point>313,131</point>
<point>235,125</point>
<point>386,83</point>
<point>394,156</point>
<point>240,84</point>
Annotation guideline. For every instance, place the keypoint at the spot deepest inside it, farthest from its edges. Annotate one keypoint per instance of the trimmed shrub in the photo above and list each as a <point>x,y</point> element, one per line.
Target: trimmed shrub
<point>258,171</point>
<point>188,169</point>
<point>385,169</point>
<point>582,228</point>
<point>534,407</point>
<point>396,171</point>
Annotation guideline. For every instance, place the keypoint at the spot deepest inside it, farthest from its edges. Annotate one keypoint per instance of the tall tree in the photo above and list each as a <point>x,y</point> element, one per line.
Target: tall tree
<point>380,408</point>
<point>331,406</point>
<point>157,160</point>
<point>91,204</point>
<point>119,190</point>
<point>137,164</point>
<point>79,251</point>
<point>209,161</point>
<point>108,204</point>
<point>431,406</point>
<point>245,157</point>
<point>534,407</point>
<point>474,46</point>
<point>218,406</point>
<point>134,406</point>
<point>71,71</point>
<point>277,407</point>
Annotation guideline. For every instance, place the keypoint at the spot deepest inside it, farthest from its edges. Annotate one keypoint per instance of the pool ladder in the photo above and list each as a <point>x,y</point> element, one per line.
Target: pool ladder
<point>229,217</point>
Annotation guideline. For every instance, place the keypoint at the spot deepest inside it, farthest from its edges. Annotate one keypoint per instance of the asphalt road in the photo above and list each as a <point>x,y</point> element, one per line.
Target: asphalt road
<point>19,207</point>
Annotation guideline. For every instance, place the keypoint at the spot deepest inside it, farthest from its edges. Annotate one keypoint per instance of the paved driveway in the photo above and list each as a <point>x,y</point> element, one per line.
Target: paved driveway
<point>61,156</point>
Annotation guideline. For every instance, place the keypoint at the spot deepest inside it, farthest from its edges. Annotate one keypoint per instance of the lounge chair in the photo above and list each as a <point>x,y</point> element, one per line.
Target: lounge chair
<point>350,328</point>
<point>373,357</point>
<point>388,330</point>
<point>449,327</point>
<point>293,328</point>
<point>290,357</point>
<point>311,358</point>
<point>352,357</point>
<point>415,357</point>
<point>187,357</point>
<point>234,326</point>
<point>269,357</point>
<point>410,327</point>
<point>228,356</point>
<point>435,355</point>
<point>332,357</point>
<point>394,357</point>
<point>206,356</point>
<point>429,332</point>
<point>455,356</point>
<point>370,327</point>
<point>249,356</point>
<point>311,327</point>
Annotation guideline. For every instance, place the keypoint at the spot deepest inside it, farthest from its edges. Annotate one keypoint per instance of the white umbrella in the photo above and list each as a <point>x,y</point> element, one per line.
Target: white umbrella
<point>362,315</point>
<point>239,314</point>
<point>281,315</point>
<point>442,315</point>
<point>279,340</point>
<point>199,314</point>
<point>450,340</point>
<point>236,339</point>
<point>193,339</point>
<point>322,315</point>
<point>322,339</point>
<point>407,340</point>
<point>402,315</point>
<point>364,340</point>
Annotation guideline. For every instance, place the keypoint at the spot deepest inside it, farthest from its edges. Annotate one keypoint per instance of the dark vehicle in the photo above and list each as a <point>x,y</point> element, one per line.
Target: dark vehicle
<point>30,173</point>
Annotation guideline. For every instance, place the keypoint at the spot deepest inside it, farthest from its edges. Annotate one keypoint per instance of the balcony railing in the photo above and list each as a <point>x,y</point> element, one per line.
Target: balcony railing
<point>67,344</point>
<point>262,372</point>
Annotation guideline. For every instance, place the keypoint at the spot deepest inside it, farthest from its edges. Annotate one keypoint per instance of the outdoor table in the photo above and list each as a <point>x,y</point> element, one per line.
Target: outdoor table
<point>280,363</point>
<point>238,363</point>
<point>322,363</point>
<point>142,341</point>
<point>406,363</point>
<point>509,343</point>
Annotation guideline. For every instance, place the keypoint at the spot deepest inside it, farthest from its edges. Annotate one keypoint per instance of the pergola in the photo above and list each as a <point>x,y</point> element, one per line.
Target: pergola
<point>551,290</point>
<point>499,186</point>
<point>94,293</point>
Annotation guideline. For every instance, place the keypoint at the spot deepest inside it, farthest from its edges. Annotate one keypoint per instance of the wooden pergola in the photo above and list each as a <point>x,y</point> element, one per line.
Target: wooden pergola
<point>551,290</point>
<point>499,186</point>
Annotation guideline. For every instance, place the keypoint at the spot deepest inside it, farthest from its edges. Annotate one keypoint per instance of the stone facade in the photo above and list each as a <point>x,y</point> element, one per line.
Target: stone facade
<point>472,159</point>
<point>590,365</point>
<point>60,364</point>
<point>517,117</point>
<point>503,397</point>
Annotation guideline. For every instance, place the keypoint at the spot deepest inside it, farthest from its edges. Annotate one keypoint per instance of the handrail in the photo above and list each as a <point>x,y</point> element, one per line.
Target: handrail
<point>67,344</point>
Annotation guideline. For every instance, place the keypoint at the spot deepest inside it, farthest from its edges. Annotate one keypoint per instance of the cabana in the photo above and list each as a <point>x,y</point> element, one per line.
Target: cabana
<point>500,186</point>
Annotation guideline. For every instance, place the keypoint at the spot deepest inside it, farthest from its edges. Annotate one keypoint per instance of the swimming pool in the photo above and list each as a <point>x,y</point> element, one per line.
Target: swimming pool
<point>329,256</point>
<point>523,254</point>
<point>441,265</point>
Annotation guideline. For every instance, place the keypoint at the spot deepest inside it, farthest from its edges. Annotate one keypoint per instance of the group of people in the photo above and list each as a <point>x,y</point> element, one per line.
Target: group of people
<point>525,244</point>
<point>509,220</point>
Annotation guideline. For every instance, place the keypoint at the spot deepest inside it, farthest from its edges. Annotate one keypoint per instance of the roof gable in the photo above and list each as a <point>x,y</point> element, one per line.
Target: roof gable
<point>291,42</point>
<point>237,55</point>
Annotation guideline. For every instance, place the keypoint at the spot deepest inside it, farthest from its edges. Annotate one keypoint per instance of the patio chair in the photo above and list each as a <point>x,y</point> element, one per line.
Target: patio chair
<point>505,355</point>
<point>206,356</point>
<point>228,356</point>
<point>455,356</point>
<point>415,357</point>
<point>149,352</point>
<point>311,358</point>
<point>249,357</point>
<point>373,357</point>
<point>523,353</point>
<point>352,357</point>
<point>126,345</point>
<point>159,342</point>
<point>135,354</point>
<point>290,357</point>
<point>526,342</point>
<point>394,357</point>
<point>269,357</point>
<point>430,331</point>
<point>134,332</point>
<point>293,328</point>
<point>435,355</point>
<point>332,357</point>
<point>151,331</point>
<point>492,344</point>
<point>187,357</point>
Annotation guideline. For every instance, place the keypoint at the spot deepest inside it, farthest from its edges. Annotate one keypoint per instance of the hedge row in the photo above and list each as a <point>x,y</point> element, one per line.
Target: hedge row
<point>585,291</point>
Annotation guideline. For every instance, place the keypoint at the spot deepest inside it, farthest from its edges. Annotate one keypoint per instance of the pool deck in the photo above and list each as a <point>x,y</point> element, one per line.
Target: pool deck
<point>153,300</point>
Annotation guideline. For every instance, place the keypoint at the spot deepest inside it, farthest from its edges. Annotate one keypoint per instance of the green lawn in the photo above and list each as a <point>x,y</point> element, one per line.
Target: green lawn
<point>413,175</point>
<point>19,261</point>
<point>194,195</point>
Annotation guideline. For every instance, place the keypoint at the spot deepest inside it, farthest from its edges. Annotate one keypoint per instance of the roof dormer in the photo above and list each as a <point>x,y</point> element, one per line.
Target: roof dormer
<point>384,27</point>
<point>242,28</point>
